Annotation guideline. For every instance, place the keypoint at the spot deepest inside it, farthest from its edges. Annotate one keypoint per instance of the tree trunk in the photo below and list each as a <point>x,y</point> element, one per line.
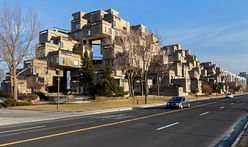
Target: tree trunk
<point>145,86</point>
<point>142,87</point>
<point>15,84</point>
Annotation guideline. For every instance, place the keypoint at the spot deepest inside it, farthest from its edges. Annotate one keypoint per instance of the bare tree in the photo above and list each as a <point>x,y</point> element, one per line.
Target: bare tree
<point>159,67</point>
<point>148,47</point>
<point>17,34</point>
<point>126,55</point>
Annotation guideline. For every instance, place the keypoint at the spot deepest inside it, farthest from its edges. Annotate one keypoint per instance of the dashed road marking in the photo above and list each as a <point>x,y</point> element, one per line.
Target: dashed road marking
<point>23,129</point>
<point>222,107</point>
<point>167,126</point>
<point>204,113</point>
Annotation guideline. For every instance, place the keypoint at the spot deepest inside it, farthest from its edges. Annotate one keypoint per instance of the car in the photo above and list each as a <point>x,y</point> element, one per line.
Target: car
<point>229,95</point>
<point>2,99</point>
<point>62,100</point>
<point>178,102</point>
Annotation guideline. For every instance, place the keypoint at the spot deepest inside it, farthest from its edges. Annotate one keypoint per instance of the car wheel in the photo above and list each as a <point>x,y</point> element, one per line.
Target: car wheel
<point>181,106</point>
<point>188,106</point>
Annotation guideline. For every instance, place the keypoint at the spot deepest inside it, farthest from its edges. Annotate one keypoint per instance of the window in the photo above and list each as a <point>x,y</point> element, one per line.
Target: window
<point>61,45</point>
<point>116,33</point>
<point>109,30</point>
<point>77,26</point>
<point>34,69</point>
<point>113,23</point>
<point>88,33</point>
<point>78,35</point>
<point>60,60</point>
<point>46,70</point>
<point>76,62</point>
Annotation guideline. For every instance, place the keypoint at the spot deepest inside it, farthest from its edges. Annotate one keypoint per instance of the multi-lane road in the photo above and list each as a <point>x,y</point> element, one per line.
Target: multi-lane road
<point>204,124</point>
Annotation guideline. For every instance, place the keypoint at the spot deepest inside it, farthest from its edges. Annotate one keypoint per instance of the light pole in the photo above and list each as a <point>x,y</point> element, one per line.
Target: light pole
<point>57,72</point>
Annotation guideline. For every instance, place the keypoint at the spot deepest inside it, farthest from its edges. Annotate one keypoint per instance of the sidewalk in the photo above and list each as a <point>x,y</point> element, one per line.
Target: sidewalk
<point>14,116</point>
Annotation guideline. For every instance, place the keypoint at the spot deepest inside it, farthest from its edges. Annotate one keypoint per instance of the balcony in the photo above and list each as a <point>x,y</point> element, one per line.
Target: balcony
<point>97,30</point>
<point>63,59</point>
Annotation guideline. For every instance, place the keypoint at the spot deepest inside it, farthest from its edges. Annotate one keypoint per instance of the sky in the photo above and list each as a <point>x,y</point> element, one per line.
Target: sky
<point>214,30</point>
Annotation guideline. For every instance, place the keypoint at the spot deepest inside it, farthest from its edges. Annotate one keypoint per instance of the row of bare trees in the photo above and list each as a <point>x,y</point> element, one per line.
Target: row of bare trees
<point>18,31</point>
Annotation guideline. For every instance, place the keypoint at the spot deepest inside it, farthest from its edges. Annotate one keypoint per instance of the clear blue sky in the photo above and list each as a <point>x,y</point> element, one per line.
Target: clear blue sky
<point>214,30</point>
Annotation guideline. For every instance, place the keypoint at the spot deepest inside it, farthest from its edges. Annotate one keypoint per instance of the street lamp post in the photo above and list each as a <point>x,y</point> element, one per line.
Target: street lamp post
<point>58,98</point>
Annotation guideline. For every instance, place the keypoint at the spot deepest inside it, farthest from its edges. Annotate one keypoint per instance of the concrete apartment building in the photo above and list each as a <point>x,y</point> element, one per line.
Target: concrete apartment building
<point>59,54</point>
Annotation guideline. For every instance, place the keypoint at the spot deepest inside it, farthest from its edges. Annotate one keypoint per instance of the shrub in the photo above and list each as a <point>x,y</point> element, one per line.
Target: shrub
<point>9,102</point>
<point>29,97</point>
<point>23,103</point>
<point>1,105</point>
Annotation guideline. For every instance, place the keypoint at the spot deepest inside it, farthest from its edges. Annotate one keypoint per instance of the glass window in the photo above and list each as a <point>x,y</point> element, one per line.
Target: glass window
<point>46,70</point>
<point>60,60</point>
<point>78,35</point>
<point>88,33</point>
<point>34,69</point>
<point>61,45</point>
<point>109,30</point>
<point>113,23</point>
<point>77,26</point>
<point>116,33</point>
<point>76,62</point>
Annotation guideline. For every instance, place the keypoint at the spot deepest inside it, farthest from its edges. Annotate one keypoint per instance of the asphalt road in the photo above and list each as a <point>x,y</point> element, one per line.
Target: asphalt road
<point>204,124</point>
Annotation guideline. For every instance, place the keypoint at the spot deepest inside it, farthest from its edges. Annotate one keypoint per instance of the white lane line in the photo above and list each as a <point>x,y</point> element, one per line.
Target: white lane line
<point>23,129</point>
<point>231,103</point>
<point>204,113</point>
<point>222,107</point>
<point>167,126</point>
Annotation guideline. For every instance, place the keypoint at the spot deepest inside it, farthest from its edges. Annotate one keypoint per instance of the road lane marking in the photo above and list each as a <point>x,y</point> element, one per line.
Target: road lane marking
<point>104,125</point>
<point>23,129</point>
<point>222,107</point>
<point>231,103</point>
<point>167,126</point>
<point>204,113</point>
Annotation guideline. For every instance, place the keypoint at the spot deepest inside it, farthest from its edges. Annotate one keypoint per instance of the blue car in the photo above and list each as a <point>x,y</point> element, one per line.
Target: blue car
<point>178,102</point>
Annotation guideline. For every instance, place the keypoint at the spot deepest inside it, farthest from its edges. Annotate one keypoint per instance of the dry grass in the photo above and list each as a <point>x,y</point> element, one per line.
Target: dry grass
<point>102,103</point>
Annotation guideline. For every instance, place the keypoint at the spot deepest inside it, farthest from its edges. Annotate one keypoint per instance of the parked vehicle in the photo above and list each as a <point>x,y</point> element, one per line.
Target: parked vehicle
<point>62,100</point>
<point>229,95</point>
<point>178,102</point>
<point>2,99</point>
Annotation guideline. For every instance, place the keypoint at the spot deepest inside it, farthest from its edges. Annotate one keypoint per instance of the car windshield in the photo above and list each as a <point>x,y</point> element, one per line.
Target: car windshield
<point>177,99</point>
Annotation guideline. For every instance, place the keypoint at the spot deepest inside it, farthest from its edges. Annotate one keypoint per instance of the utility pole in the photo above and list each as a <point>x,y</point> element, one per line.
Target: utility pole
<point>58,98</point>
